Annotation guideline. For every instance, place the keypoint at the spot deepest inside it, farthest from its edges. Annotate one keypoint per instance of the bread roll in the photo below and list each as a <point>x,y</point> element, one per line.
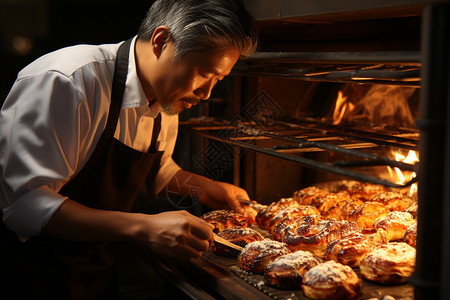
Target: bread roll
<point>393,201</point>
<point>286,272</point>
<point>351,249</point>
<point>391,263</point>
<point>332,281</point>
<point>265,215</point>
<point>305,195</point>
<point>222,219</point>
<point>366,214</point>
<point>316,237</point>
<point>395,224</point>
<point>325,201</point>
<point>411,235</point>
<point>341,209</point>
<point>257,255</point>
<point>291,213</point>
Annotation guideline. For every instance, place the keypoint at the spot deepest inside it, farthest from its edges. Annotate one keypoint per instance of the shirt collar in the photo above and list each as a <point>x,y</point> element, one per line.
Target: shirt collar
<point>134,95</point>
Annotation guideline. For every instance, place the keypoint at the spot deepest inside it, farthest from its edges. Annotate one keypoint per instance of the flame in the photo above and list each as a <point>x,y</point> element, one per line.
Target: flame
<point>374,104</point>
<point>341,107</point>
<point>402,177</point>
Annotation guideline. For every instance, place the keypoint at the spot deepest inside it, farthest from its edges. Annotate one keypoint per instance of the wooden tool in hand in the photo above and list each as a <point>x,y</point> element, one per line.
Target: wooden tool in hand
<point>218,239</point>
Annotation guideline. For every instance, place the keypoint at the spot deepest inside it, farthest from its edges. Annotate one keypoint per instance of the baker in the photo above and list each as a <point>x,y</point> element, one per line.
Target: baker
<point>84,128</point>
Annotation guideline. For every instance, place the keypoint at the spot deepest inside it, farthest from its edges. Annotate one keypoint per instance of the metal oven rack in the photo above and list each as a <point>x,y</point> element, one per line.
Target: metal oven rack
<point>293,137</point>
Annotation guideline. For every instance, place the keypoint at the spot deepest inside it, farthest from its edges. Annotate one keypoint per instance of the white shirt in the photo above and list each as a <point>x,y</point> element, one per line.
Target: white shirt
<point>50,124</point>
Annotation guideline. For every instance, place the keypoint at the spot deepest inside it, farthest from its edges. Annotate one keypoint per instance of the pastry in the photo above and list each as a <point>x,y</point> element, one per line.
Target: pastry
<point>315,237</point>
<point>291,213</point>
<point>411,235</point>
<point>393,201</point>
<point>395,224</point>
<point>324,202</point>
<point>366,214</point>
<point>222,219</point>
<point>340,210</point>
<point>237,235</point>
<point>361,190</point>
<point>332,281</point>
<point>265,215</point>
<point>351,249</point>
<point>286,272</point>
<point>305,195</point>
<point>257,255</point>
<point>391,263</point>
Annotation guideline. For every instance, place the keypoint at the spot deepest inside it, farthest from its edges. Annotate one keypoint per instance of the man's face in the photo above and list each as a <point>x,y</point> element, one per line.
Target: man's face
<point>185,82</point>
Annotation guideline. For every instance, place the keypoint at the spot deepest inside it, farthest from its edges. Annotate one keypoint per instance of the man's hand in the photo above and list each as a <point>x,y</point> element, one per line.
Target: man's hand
<point>213,194</point>
<point>177,235</point>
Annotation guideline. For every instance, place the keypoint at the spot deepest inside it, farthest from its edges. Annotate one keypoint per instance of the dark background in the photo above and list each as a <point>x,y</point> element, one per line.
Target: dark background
<point>31,28</point>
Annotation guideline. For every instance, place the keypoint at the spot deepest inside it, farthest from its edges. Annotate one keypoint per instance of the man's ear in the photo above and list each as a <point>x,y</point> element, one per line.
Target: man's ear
<point>159,38</point>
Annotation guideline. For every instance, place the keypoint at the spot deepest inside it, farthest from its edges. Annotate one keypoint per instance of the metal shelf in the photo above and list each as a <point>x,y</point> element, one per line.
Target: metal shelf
<point>290,138</point>
<point>385,67</point>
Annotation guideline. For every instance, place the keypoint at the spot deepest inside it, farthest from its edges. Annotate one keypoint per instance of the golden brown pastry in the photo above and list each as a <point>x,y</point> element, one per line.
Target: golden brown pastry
<point>366,214</point>
<point>332,281</point>
<point>340,210</point>
<point>251,212</point>
<point>395,224</point>
<point>391,263</point>
<point>265,215</point>
<point>324,202</point>
<point>316,237</point>
<point>412,209</point>
<point>237,235</point>
<point>257,255</point>
<point>286,272</point>
<point>279,230</point>
<point>411,235</point>
<point>222,219</point>
<point>291,213</point>
<point>305,195</point>
<point>393,201</point>
<point>360,190</point>
<point>350,250</point>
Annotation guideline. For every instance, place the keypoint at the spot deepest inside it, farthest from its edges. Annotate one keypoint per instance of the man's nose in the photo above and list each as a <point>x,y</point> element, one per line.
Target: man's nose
<point>204,91</point>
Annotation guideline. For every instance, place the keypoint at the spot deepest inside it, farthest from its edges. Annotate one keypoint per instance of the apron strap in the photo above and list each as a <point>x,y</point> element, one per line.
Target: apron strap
<point>155,134</point>
<point>118,88</point>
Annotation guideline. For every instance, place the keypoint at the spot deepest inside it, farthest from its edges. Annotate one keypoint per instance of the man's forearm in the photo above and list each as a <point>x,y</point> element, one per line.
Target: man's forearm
<point>74,221</point>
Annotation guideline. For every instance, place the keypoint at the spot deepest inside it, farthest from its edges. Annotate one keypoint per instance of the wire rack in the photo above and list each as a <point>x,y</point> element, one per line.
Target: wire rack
<point>289,139</point>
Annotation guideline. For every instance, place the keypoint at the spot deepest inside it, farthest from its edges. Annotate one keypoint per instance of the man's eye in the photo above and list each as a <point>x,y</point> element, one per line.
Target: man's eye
<point>204,76</point>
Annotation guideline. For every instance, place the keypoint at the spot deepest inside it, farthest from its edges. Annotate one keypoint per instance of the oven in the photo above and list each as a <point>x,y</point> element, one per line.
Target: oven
<point>337,90</point>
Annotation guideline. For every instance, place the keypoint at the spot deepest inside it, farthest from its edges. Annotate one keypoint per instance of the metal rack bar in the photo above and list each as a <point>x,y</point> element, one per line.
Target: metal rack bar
<point>385,57</point>
<point>393,67</point>
<point>373,137</point>
<point>333,168</point>
<point>301,143</point>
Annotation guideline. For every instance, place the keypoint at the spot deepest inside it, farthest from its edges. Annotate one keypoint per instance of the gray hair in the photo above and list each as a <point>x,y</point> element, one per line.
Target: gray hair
<point>197,25</point>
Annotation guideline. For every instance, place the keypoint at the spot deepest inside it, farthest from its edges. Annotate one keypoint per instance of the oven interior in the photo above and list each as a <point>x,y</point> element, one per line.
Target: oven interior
<point>335,93</point>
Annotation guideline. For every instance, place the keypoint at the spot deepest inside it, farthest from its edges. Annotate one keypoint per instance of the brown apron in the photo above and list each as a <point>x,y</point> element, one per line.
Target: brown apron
<point>50,268</point>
